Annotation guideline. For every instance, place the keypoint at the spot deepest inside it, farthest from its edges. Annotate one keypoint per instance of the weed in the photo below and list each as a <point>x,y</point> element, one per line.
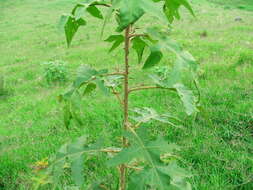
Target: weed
<point>55,72</point>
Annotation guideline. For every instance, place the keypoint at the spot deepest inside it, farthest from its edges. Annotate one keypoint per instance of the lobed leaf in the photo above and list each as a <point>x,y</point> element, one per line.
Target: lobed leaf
<point>171,8</point>
<point>73,153</point>
<point>144,115</point>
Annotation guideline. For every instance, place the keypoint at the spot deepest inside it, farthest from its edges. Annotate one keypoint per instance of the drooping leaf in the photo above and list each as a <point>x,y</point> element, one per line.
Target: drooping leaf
<point>71,25</point>
<point>154,57</point>
<point>187,97</point>
<point>85,74</point>
<point>116,40</point>
<point>113,81</point>
<point>144,115</point>
<point>94,11</point>
<point>75,155</point>
<point>76,159</point>
<point>101,85</point>
<point>139,46</point>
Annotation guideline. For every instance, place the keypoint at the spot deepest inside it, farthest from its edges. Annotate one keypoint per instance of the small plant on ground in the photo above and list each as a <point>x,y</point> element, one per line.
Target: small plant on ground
<point>143,164</point>
<point>55,72</point>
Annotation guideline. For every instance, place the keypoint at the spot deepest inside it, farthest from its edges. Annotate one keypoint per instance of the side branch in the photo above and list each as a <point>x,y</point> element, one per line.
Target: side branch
<point>117,94</point>
<point>101,4</point>
<point>112,74</point>
<point>149,87</point>
<point>137,35</point>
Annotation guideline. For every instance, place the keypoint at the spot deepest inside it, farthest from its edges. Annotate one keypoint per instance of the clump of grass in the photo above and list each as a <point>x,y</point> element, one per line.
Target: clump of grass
<point>55,72</point>
<point>244,59</point>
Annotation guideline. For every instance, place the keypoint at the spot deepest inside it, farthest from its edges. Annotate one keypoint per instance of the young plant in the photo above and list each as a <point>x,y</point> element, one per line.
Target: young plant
<point>55,72</point>
<point>142,164</point>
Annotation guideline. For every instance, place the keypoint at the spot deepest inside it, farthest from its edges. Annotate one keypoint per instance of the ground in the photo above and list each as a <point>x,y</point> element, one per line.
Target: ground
<point>217,146</point>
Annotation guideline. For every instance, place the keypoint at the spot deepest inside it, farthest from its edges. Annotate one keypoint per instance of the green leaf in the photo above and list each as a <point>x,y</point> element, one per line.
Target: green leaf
<point>155,174</point>
<point>73,153</point>
<point>171,8</point>
<point>187,97</point>
<point>89,88</point>
<point>139,46</point>
<point>144,115</point>
<point>116,40</point>
<point>161,177</point>
<point>129,12</point>
<point>85,74</point>
<point>113,81</point>
<point>94,11</point>
<point>141,148</point>
<point>76,158</point>
<point>71,25</point>
<point>101,85</point>
<point>154,57</point>
<point>67,115</point>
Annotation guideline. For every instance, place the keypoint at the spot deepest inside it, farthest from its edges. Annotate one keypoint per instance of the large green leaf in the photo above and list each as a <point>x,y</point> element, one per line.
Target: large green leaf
<point>155,174</point>
<point>131,11</point>
<point>186,96</point>
<point>142,148</point>
<point>161,177</point>
<point>73,153</point>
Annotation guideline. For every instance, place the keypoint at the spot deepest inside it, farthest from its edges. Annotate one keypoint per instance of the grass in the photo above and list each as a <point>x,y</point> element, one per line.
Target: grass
<point>240,4</point>
<point>217,150</point>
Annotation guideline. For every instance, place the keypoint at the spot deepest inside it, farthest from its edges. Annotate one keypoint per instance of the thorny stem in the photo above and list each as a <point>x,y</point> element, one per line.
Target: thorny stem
<point>123,168</point>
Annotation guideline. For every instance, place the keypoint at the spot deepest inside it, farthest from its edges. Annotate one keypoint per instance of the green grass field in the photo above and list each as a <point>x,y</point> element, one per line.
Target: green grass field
<point>217,148</point>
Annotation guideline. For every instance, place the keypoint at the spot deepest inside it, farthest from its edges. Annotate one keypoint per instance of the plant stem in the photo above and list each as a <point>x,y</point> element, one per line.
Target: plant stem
<point>122,185</point>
